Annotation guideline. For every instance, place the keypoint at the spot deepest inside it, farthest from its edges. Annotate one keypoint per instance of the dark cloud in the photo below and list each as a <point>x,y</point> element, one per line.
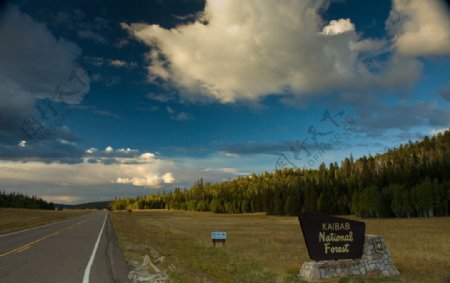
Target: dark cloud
<point>91,35</point>
<point>407,135</point>
<point>47,152</point>
<point>109,161</point>
<point>66,18</point>
<point>445,92</point>
<point>300,146</point>
<point>85,28</point>
<point>404,116</point>
<point>127,156</point>
<point>36,72</point>
<point>39,80</point>
<point>255,148</point>
<point>97,111</point>
<point>439,117</point>
<point>376,117</point>
<point>54,149</point>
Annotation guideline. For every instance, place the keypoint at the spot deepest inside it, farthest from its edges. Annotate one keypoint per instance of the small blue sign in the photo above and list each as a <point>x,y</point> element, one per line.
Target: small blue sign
<point>219,235</point>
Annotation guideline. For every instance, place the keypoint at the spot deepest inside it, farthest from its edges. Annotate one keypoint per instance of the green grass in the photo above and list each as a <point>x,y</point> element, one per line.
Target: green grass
<point>264,248</point>
<point>14,219</point>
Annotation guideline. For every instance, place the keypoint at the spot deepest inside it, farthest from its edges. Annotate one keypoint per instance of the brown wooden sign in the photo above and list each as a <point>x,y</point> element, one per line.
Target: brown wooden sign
<point>332,238</point>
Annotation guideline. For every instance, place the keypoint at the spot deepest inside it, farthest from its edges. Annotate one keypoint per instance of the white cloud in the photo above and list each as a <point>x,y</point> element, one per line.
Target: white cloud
<point>116,63</point>
<point>22,144</point>
<point>178,116</point>
<point>338,27</point>
<point>420,27</point>
<point>371,47</point>
<point>218,167</point>
<point>434,132</point>
<point>250,49</point>
<point>182,116</point>
<point>147,172</point>
<point>85,181</point>
<point>122,64</point>
<point>160,97</point>
<point>91,150</point>
<point>168,178</point>
<point>106,113</point>
<point>127,150</point>
<point>61,198</point>
<point>226,170</point>
<point>128,175</point>
<point>148,156</point>
<point>170,110</point>
<point>120,156</point>
<point>151,181</point>
<point>122,42</point>
<point>234,155</point>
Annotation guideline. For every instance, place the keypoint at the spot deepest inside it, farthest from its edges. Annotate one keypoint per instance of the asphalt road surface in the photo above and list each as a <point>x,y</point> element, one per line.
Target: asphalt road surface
<point>81,249</point>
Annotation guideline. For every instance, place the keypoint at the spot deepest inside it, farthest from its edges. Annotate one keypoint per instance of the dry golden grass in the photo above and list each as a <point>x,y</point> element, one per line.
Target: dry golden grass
<point>264,248</point>
<point>14,219</point>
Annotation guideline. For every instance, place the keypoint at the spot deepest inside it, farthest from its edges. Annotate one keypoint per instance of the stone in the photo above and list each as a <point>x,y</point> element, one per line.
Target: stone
<point>307,274</point>
<point>316,273</point>
<point>375,262</point>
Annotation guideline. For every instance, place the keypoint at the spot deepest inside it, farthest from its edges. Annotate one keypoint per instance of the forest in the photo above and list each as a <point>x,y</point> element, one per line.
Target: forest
<point>412,180</point>
<point>18,200</point>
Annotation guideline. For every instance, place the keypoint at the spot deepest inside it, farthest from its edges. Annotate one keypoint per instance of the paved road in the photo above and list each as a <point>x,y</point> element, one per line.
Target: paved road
<point>81,249</point>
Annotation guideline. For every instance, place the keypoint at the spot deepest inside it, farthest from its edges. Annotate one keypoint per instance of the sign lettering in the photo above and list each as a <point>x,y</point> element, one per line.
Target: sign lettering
<point>332,238</point>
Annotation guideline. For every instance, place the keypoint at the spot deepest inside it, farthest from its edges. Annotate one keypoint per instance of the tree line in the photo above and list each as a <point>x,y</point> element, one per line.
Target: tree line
<point>412,180</point>
<point>19,200</point>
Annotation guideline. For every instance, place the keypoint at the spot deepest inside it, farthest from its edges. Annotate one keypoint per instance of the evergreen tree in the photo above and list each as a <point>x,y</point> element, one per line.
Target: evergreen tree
<point>396,183</point>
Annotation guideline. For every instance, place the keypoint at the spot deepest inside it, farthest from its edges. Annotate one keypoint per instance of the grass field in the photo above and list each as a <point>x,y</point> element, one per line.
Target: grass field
<point>14,219</point>
<point>264,248</point>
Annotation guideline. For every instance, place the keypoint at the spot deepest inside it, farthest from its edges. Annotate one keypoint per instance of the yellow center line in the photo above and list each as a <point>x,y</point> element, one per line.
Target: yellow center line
<point>28,245</point>
<point>23,249</point>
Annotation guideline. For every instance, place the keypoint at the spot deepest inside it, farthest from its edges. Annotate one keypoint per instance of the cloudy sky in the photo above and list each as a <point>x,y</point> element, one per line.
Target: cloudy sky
<point>100,99</point>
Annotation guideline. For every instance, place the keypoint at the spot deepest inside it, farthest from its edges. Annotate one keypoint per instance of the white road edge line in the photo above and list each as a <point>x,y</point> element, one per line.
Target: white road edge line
<point>42,226</point>
<point>87,271</point>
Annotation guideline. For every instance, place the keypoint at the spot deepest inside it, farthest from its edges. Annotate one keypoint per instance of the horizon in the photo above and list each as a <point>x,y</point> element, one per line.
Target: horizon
<point>249,175</point>
<point>104,101</point>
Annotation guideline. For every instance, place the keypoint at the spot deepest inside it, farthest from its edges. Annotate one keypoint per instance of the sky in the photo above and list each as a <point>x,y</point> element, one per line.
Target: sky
<point>103,99</point>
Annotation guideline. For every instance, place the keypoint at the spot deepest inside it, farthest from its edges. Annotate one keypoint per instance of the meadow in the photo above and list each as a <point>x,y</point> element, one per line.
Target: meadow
<point>14,219</point>
<point>264,248</point>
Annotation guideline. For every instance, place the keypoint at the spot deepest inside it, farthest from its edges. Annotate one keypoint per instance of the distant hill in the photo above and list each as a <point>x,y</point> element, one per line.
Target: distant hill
<point>89,205</point>
<point>412,180</point>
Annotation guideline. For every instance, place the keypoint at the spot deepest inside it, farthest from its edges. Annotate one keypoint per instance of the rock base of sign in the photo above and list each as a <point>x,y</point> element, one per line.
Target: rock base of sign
<point>375,262</point>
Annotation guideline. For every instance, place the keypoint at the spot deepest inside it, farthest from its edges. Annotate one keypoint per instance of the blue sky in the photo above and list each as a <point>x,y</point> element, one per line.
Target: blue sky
<point>104,99</point>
